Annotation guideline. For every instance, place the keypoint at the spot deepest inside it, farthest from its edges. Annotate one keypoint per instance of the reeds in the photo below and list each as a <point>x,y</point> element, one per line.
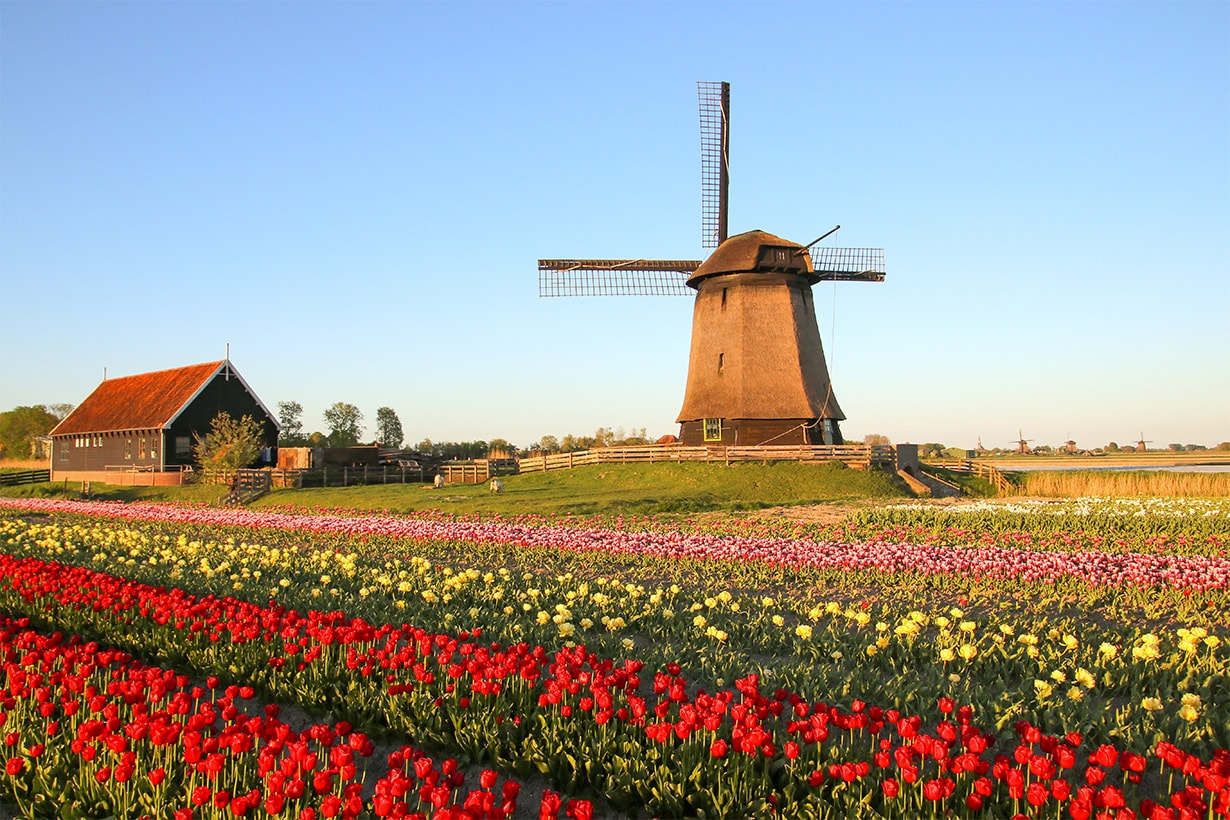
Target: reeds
<point>1112,484</point>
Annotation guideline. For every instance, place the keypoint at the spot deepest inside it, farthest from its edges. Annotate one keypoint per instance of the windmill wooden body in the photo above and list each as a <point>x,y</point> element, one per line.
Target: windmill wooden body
<point>756,369</point>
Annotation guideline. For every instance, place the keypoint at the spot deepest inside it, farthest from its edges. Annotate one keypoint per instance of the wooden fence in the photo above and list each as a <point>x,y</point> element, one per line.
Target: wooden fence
<point>248,486</point>
<point>992,474</point>
<point>854,455</point>
<point>477,471</point>
<point>329,476</point>
<point>24,477</point>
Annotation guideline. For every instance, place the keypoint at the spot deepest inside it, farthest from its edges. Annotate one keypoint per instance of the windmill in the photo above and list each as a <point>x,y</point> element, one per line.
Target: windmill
<point>756,368</point>
<point>1022,443</point>
<point>1140,445</point>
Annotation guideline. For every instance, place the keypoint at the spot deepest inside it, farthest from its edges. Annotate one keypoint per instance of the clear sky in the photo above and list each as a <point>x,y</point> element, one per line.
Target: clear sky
<point>354,197</point>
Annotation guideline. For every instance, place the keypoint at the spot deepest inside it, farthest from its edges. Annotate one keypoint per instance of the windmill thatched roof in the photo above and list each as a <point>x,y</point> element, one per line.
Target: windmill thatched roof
<point>756,252</point>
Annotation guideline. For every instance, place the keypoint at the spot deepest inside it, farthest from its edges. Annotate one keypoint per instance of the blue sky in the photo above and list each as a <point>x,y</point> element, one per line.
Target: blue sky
<point>354,197</point>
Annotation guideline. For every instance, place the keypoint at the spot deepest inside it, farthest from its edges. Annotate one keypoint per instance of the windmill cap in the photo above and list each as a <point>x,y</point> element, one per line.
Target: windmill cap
<point>756,252</point>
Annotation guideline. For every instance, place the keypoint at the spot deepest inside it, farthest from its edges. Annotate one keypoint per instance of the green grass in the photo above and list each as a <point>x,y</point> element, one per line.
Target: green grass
<point>191,494</point>
<point>632,489</point>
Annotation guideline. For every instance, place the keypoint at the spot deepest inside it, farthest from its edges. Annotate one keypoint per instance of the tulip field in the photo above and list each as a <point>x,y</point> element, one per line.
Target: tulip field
<point>1065,659</point>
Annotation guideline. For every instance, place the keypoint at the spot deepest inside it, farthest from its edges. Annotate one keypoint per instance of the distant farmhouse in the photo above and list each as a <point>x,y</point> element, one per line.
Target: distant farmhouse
<point>140,429</point>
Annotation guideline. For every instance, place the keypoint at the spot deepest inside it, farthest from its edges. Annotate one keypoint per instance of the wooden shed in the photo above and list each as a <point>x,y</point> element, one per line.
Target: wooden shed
<point>140,429</point>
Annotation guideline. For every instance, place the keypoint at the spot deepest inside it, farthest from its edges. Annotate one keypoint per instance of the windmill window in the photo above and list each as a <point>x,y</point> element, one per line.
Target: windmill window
<point>721,362</point>
<point>723,298</point>
<point>713,429</point>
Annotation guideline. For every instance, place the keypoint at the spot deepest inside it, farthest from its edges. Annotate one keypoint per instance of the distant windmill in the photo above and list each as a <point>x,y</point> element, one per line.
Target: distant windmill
<point>1022,443</point>
<point>1140,445</point>
<point>756,370</point>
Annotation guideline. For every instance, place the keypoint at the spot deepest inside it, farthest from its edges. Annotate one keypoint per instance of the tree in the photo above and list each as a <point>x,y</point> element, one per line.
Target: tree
<point>290,416</point>
<point>229,444</point>
<point>388,428</point>
<point>501,445</point>
<point>20,426</point>
<point>345,424</point>
<point>60,410</point>
<point>1113,447</point>
<point>1222,446</point>
<point>876,440</point>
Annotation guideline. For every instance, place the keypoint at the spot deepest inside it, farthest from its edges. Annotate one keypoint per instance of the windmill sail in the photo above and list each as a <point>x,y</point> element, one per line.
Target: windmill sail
<point>847,264</point>
<point>615,277</point>
<point>714,162</point>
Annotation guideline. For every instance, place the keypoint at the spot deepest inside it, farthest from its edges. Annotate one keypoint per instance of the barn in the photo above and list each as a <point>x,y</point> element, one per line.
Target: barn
<point>140,429</point>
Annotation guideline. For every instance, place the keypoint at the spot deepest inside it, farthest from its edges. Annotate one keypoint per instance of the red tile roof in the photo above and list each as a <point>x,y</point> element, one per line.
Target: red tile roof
<point>142,402</point>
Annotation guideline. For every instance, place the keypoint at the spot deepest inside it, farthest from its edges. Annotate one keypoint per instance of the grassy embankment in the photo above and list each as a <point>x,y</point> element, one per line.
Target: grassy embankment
<point>632,489</point>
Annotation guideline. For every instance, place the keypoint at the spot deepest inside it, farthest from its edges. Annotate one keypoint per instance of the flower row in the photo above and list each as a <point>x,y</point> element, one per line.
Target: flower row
<point>90,731</point>
<point>1093,567</point>
<point>1056,672</point>
<point>585,722</point>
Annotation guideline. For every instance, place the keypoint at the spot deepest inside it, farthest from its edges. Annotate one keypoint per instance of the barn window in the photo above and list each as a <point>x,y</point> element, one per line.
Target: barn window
<point>183,445</point>
<point>127,448</point>
<point>141,453</point>
<point>713,429</point>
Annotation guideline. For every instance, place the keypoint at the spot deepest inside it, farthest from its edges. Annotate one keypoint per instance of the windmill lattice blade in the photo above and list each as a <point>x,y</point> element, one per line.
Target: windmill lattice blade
<point>615,277</point>
<point>714,161</point>
<point>848,264</point>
